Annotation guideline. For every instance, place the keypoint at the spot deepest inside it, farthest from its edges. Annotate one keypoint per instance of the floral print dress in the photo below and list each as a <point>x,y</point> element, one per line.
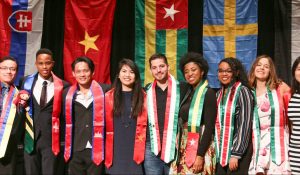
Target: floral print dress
<point>264,162</point>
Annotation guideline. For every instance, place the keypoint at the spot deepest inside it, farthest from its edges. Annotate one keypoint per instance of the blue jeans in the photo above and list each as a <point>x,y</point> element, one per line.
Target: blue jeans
<point>153,164</point>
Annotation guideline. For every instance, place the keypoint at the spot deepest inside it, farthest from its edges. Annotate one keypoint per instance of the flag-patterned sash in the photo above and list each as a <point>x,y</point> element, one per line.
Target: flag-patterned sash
<point>194,121</point>
<point>29,130</point>
<point>98,122</point>
<point>277,132</point>
<point>7,119</point>
<point>171,119</point>
<point>57,99</point>
<point>225,122</point>
<point>140,133</point>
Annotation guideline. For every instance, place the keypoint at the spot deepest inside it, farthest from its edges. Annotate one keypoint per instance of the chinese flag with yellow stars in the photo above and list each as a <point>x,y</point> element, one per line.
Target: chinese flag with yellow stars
<point>88,31</point>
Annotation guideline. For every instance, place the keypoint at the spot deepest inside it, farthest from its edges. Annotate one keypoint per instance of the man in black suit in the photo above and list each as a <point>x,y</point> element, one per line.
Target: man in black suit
<point>41,156</point>
<point>12,134</point>
<point>84,117</point>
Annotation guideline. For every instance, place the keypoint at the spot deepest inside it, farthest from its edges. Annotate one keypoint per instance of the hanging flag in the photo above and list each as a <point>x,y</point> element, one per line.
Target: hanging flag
<point>229,30</point>
<point>88,29</point>
<point>160,27</point>
<point>21,27</point>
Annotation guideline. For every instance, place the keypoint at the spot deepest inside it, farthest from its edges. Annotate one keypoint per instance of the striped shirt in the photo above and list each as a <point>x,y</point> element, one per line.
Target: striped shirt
<point>243,123</point>
<point>294,117</point>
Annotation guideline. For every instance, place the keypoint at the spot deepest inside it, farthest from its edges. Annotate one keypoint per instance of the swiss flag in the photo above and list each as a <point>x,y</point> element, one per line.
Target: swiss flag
<point>171,14</point>
<point>88,30</point>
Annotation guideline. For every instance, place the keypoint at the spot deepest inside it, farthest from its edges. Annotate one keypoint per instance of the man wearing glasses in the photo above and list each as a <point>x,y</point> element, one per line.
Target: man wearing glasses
<point>12,116</point>
<point>42,133</point>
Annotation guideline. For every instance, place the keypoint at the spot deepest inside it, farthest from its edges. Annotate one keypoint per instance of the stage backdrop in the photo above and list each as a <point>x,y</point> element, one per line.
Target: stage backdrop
<point>275,28</point>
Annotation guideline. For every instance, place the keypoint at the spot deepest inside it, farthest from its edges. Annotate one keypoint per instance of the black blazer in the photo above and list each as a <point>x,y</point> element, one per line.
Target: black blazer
<point>16,135</point>
<point>82,121</point>
<point>42,117</point>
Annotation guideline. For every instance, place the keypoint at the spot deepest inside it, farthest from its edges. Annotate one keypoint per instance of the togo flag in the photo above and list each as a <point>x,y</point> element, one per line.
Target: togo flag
<point>160,27</point>
<point>21,28</point>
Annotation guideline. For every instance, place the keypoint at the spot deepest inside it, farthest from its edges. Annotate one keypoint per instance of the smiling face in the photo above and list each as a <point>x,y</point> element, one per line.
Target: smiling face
<point>192,73</point>
<point>159,69</point>
<point>127,78</point>
<point>44,64</point>
<point>83,74</point>
<point>8,71</point>
<point>262,69</point>
<point>225,73</point>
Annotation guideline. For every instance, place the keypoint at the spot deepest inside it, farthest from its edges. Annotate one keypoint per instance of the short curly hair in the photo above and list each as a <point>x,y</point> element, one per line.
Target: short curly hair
<point>195,58</point>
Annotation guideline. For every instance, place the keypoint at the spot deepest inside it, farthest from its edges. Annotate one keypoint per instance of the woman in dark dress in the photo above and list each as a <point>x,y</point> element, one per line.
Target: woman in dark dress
<point>198,114</point>
<point>126,121</point>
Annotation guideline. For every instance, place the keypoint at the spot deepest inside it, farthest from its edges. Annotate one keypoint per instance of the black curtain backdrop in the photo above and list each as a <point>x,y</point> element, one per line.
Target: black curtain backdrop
<point>273,32</point>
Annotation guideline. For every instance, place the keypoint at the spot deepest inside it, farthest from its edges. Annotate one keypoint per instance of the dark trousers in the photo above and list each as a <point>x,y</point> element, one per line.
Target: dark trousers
<point>243,167</point>
<point>12,162</point>
<point>81,164</point>
<point>8,164</point>
<point>42,160</point>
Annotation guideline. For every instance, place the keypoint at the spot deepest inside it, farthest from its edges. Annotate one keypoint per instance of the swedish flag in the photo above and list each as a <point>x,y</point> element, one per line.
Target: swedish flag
<point>229,30</point>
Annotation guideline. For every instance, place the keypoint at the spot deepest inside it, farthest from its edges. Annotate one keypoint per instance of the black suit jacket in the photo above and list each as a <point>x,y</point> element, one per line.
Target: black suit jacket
<point>42,117</point>
<point>16,136</point>
<point>82,121</point>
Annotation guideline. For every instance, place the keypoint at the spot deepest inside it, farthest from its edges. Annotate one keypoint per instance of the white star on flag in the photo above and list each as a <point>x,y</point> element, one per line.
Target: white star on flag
<point>192,142</point>
<point>170,12</point>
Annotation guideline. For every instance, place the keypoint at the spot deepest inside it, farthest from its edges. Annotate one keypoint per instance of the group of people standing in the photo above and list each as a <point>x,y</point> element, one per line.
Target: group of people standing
<point>167,127</point>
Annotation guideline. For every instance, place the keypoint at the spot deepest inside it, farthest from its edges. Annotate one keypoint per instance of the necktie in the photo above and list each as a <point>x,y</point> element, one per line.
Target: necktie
<point>43,99</point>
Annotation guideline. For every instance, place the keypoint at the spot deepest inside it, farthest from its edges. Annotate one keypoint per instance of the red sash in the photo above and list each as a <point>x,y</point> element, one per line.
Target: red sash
<point>98,122</point>
<point>57,98</point>
<point>140,133</point>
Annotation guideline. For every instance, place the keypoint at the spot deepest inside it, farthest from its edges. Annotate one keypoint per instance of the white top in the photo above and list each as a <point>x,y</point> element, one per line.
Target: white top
<point>38,88</point>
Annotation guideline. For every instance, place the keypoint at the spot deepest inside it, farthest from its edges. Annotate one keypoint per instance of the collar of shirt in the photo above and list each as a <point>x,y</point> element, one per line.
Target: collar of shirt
<point>84,99</point>
<point>40,80</point>
<point>4,88</point>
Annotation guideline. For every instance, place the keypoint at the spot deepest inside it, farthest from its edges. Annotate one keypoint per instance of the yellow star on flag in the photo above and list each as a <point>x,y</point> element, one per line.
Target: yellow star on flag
<point>89,42</point>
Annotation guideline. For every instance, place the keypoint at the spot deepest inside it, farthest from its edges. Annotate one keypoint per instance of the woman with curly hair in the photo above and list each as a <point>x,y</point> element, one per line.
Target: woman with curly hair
<point>198,114</point>
<point>234,117</point>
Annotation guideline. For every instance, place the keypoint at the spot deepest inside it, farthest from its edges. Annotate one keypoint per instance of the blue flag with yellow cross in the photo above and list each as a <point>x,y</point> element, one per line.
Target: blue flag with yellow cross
<point>229,30</point>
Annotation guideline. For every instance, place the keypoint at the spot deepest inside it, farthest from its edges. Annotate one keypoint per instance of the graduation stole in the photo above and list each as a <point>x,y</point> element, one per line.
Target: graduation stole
<point>7,117</point>
<point>171,119</point>
<point>98,122</point>
<point>140,133</point>
<point>225,122</point>
<point>278,124</point>
<point>57,99</point>
<point>194,121</point>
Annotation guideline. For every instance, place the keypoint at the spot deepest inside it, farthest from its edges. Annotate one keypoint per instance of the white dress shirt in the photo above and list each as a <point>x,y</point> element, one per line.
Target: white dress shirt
<point>85,100</point>
<point>38,88</point>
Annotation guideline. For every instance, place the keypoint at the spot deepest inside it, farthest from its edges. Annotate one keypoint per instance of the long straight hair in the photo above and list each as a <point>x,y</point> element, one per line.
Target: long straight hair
<point>137,99</point>
<point>295,83</point>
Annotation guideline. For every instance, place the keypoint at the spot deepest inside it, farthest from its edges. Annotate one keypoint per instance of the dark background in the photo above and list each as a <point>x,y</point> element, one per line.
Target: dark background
<point>273,32</point>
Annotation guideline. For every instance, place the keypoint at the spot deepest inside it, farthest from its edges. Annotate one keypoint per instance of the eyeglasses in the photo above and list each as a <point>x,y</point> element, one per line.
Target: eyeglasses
<point>13,69</point>
<point>221,71</point>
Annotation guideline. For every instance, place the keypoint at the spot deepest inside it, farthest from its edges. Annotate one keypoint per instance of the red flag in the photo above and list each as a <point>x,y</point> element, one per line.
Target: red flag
<point>191,148</point>
<point>88,29</point>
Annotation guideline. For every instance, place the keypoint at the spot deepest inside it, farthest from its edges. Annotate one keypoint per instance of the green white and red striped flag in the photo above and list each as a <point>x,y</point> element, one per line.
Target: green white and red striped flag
<point>160,27</point>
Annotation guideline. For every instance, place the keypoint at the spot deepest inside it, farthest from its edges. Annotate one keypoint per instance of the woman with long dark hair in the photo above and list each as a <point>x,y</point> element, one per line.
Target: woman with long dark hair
<point>270,129</point>
<point>126,122</point>
<point>234,117</point>
<point>294,118</point>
